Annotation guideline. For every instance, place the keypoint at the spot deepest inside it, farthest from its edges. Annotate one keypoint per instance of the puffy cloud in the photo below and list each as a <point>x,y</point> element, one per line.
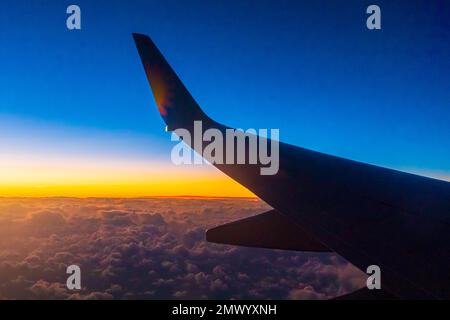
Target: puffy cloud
<point>306,293</point>
<point>151,249</point>
<point>43,290</point>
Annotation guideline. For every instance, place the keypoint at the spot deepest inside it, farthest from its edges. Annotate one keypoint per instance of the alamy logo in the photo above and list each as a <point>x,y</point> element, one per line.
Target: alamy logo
<point>236,147</point>
<point>74,280</point>
<point>73,21</point>
<point>374,279</point>
<point>374,20</point>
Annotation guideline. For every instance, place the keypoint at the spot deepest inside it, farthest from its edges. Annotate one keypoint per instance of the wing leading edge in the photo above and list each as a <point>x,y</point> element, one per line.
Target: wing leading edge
<point>367,214</point>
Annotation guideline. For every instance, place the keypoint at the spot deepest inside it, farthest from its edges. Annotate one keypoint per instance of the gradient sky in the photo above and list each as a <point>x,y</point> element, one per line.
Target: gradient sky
<point>77,116</point>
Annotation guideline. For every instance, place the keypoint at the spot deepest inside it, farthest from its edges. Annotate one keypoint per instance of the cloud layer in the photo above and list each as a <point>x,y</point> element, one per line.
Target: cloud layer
<point>151,249</point>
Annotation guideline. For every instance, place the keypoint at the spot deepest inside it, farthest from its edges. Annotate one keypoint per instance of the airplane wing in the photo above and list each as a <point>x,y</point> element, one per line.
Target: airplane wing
<point>367,214</point>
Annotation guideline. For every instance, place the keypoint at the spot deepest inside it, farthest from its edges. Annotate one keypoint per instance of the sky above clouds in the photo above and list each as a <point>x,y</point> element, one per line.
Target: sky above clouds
<point>310,69</point>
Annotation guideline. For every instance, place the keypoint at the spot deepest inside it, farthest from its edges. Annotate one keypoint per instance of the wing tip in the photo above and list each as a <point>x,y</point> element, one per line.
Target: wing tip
<point>270,230</point>
<point>137,36</point>
<point>211,235</point>
<point>175,104</point>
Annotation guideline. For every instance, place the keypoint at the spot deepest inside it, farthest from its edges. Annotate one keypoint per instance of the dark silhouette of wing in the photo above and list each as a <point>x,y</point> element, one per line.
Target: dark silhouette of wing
<point>270,230</point>
<point>367,214</point>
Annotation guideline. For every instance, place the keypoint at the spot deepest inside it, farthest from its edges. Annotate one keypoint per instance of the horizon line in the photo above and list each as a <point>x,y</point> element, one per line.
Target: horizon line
<point>138,197</point>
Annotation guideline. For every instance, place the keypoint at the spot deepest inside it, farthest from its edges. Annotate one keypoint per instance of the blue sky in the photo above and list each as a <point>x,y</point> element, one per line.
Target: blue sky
<point>311,69</point>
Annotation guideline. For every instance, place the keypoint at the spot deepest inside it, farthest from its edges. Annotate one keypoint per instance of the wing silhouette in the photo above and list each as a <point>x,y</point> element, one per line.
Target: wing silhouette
<point>369,215</point>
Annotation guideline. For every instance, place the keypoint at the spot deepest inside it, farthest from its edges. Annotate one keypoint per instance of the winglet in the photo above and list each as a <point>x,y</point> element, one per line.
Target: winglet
<point>175,104</point>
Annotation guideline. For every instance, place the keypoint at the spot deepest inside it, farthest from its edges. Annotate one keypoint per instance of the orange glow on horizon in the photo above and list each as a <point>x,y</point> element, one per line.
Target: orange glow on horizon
<point>199,188</point>
<point>33,177</point>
